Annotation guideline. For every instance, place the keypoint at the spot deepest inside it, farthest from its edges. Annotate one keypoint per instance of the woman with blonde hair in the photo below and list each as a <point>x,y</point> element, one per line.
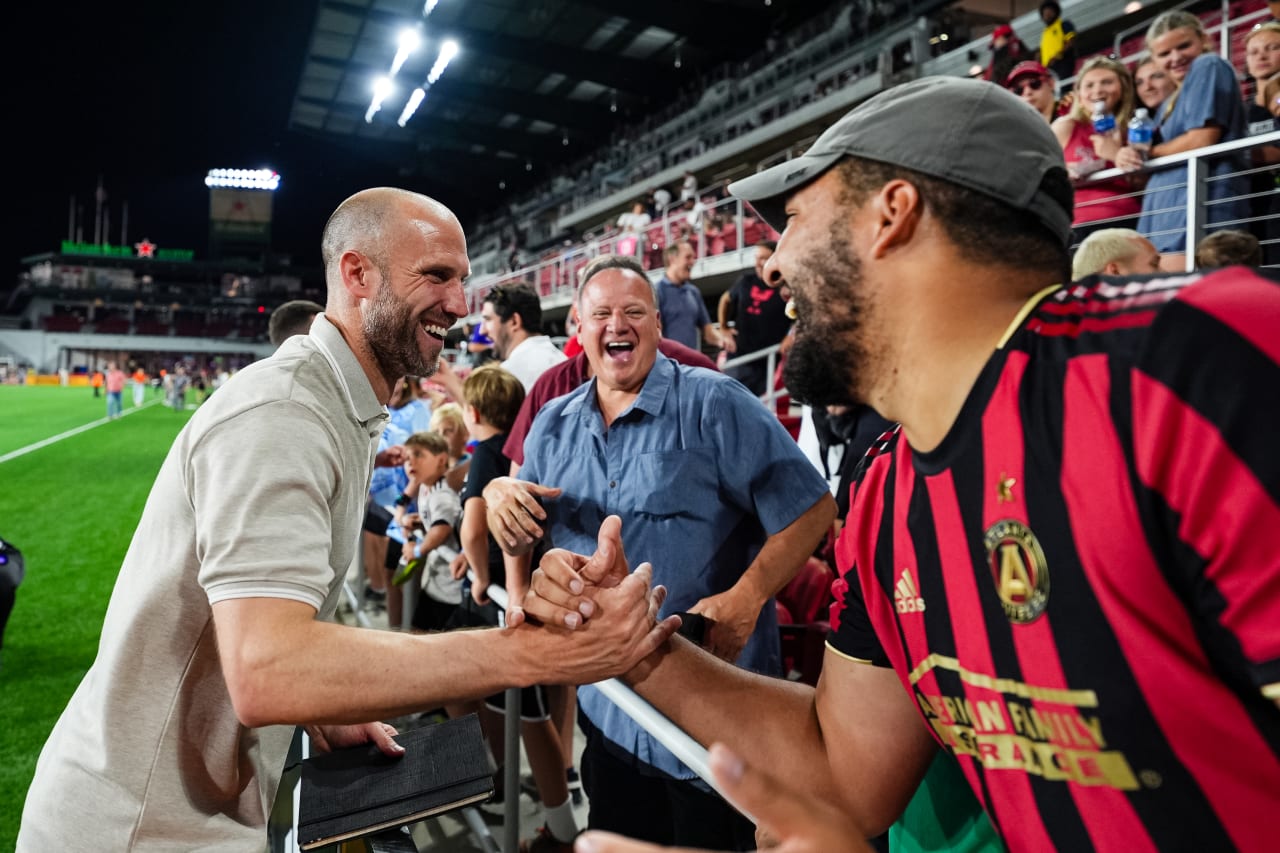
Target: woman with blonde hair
<point>1262,62</point>
<point>1206,109</point>
<point>1111,203</point>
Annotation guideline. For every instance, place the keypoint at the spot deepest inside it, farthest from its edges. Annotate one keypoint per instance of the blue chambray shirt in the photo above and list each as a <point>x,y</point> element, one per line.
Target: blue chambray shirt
<point>700,472</point>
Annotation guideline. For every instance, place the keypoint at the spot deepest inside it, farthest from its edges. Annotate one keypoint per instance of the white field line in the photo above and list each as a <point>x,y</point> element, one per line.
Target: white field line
<point>45,442</point>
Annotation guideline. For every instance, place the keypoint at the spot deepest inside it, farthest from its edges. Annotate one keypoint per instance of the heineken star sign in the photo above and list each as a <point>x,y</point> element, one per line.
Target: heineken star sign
<point>145,249</point>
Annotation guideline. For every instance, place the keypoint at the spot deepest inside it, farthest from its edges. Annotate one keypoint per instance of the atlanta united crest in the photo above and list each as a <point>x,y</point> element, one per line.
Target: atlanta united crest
<point>1018,566</point>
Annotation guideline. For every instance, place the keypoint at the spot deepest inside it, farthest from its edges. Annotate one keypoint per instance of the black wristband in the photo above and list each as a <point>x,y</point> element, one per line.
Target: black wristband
<point>404,500</point>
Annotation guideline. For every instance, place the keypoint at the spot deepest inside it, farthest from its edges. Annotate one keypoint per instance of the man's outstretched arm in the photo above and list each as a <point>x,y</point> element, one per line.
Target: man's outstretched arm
<point>856,740</point>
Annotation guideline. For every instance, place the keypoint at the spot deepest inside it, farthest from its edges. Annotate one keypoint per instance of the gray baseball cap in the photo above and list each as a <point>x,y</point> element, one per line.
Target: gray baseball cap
<point>967,132</point>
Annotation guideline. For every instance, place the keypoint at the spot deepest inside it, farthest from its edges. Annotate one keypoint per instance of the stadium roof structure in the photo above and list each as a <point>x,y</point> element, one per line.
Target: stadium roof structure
<point>534,85</point>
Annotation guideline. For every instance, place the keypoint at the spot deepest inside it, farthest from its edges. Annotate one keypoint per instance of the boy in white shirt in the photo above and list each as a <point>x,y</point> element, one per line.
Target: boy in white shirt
<point>434,524</point>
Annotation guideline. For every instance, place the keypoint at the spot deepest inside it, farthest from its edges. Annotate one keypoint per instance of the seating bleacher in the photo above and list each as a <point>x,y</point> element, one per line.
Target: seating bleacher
<point>730,236</point>
<point>802,607</point>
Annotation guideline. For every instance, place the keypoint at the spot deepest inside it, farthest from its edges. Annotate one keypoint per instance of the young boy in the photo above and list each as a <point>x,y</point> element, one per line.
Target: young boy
<point>491,401</point>
<point>431,531</point>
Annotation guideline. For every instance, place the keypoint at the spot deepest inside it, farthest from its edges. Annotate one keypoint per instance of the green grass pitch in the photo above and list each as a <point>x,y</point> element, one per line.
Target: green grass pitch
<point>71,507</point>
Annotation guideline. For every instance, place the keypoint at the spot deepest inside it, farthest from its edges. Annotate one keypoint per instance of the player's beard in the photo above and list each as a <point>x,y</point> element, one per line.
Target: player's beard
<point>825,366</point>
<point>391,331</point>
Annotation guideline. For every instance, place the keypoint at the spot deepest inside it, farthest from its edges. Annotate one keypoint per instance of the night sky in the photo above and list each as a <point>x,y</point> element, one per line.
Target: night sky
<point>151,95</point>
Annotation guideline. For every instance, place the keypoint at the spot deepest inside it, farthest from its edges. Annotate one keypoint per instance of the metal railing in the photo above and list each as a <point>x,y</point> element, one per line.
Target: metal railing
<point>770,356</point>
<point>1197,204</point>
<point>738,228</point>
<point>649,718</point>
<point>671,736</point>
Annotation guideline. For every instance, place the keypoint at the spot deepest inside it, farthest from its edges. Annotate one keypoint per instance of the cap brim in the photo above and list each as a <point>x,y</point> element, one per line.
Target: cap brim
<point>768,190</point>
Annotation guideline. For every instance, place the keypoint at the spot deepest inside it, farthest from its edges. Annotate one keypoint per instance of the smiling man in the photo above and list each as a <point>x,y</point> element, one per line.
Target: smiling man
<point>511,316</point>
<point>1060,571</point>
<point>217,641</point>
<point>684,313</point>
<point>709,487</point>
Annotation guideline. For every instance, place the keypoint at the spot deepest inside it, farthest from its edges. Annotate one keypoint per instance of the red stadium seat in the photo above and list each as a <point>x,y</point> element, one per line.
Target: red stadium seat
<point>730,236</point>
<point>61,323</point>
<point>802,608</point>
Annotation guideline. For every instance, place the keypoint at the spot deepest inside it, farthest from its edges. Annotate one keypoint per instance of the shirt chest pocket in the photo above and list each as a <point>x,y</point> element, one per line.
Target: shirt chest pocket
<point>671,484</point>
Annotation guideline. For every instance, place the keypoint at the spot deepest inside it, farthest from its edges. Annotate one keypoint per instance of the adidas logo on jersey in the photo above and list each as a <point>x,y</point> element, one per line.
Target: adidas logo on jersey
<point>905,595</point>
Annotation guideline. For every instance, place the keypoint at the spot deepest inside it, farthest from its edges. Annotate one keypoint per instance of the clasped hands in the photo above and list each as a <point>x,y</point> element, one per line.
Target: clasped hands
<point>558,592</point>
<point>567,588</point>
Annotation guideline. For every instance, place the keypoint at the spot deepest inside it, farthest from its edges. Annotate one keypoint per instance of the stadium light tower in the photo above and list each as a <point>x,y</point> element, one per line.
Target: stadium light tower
<point>240,211</point>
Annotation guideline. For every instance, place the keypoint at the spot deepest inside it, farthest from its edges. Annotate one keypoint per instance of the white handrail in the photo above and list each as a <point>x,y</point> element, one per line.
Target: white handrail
<point>1197,178</point>
<point>1157,163</point>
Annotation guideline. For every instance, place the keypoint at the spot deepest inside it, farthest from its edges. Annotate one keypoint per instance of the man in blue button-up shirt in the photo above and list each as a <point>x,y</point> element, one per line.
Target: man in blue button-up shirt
<point>711,490</point>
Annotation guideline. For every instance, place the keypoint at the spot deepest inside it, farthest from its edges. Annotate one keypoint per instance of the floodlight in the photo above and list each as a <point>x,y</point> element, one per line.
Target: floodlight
<point>382,87</point>
<point>410,39</point>
<point>415,100</point>
<point>448,51</point>
<point>245,179</point>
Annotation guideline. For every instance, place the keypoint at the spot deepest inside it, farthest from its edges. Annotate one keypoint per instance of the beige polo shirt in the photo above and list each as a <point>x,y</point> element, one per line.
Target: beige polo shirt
<point>261,495</point>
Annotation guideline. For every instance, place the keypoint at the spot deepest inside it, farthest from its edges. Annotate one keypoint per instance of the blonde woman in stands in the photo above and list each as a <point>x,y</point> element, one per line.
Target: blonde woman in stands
<point>1106,204</point>
<point>1151,84</point>
<point>1206,109</point>
<point>1262,61</point>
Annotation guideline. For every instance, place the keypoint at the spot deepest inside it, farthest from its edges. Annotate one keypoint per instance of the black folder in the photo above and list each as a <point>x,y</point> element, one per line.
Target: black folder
<point>358,791</point>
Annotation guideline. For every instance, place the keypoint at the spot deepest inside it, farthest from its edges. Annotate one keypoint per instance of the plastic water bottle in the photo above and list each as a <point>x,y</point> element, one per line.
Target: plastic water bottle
<point>1141,128</point>
<point>1103,120</point>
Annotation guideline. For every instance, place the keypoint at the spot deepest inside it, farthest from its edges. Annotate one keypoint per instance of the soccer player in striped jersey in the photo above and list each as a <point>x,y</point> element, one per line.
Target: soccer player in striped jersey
<point>1061,568</point>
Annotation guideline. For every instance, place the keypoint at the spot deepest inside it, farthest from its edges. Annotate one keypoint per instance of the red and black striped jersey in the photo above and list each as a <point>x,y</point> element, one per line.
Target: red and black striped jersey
<point>1080,586</point>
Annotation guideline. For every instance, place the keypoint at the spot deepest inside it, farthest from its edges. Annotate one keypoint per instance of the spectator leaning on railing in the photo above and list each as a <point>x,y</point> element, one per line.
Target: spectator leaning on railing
<point>1109,203</point>
<point>1204,110</point>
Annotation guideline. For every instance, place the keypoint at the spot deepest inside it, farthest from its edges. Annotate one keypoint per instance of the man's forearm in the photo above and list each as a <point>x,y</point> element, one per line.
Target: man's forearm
<point>786,551</point>
<point>282,665</point>
<point>771,719</point>
<point>855,741</point>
